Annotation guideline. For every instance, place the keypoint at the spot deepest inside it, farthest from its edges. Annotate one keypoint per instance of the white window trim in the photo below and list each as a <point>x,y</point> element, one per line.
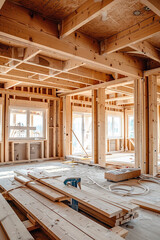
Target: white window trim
<point>28,128</point>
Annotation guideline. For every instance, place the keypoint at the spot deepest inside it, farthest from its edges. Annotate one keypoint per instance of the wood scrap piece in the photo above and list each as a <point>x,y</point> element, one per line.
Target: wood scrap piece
<point>81,196</point>
<point>122,174</point>
<point>88,226</point>
<point>120,231</point>
<point>147,205</point>
<point>30,226</point>
<point>56,226</point>
<point>42,189</point>
<point>13,227</point>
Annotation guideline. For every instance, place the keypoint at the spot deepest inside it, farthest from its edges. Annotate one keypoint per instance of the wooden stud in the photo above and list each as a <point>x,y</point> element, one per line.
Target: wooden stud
<point>94,127</point>
<point>101,127</point>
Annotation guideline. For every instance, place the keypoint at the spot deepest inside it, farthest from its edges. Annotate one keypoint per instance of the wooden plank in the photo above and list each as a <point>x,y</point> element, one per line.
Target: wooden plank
<point>154,5</point>
<point>54,224</point>
<point>85,13</point>
<point>80,195</point>
<point>59,220</point>
<point>11,224</point>
<point>117,82</point>
<point>139,32</point>
<point>115,200</point>
<point>101,127</point>
<point>66,125</point>
<point>86,225</point>
<point>40,188</point>
<point>94,127</point>
<point>147,205</point>
<point>30,226</point>
<point>153,144</point>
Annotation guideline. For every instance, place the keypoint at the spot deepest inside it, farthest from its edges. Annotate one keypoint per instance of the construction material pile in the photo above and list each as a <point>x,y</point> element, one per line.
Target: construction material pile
<point>41,196</point>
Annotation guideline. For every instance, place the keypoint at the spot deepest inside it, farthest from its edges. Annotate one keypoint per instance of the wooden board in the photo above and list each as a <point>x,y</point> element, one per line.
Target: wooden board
<point>115,200</point>
<point>52,216</point>
<point>80,195</point>
<point>55,225</point>
<point>40,188</point>
<point>122,174</point>
<point>83,223</point>
<point>147,205</point>
<point>13,227</point>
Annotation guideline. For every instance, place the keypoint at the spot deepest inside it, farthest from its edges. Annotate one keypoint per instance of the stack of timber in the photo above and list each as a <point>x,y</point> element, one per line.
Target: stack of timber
<point>10,225</point>
<point>41,197</point>
<point>110,209</point>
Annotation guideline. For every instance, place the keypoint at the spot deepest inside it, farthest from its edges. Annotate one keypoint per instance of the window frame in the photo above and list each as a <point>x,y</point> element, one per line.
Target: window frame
<point>114,115</point>
<point>28,127</point>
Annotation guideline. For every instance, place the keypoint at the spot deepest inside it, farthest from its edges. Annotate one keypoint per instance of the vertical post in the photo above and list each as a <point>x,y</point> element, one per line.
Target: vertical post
<point>66,124</point>
<point>94,127</point>
<point>6,127</point>
<point>145,158</point>
<point>153,150</point>
<point>138,122</point>
<point>101,127</point>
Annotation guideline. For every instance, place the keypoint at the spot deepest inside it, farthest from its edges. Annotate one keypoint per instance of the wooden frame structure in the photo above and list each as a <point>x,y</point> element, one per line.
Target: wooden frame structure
<point>61,65</point>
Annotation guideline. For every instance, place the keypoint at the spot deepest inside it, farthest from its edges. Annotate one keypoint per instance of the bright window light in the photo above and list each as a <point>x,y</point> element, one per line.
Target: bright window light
<point>27,123</point>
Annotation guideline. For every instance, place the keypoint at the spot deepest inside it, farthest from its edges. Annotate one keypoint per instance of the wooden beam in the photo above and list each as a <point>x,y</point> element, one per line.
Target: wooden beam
<point>134,34</point>
<point>11,84</point>
<point>155,71</point>
<point>66,125</point>
<point>94,127</point>
<point>115,83</point>
<point>138,121</point>
<point>154,5</point>
<point>77,46</point>
<point>84,14</point>
<point>101,128</point>
<point>70,64</point>
<point>153,148</point>
<point>119,98</point>
<point>34,82</point>
<point>147,49</point>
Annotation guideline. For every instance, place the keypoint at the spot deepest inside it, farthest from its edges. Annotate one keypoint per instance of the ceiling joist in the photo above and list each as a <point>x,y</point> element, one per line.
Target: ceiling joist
<point>154,5</point>
<point>134,34</point>
<point>84,14</point>
<point>82,48</point>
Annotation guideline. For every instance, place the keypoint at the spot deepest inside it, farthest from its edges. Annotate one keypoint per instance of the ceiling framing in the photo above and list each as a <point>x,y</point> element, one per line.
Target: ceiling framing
<point>41,51</point>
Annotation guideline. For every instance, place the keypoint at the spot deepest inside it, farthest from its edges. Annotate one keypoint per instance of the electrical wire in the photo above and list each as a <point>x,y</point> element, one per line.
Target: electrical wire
<point>120,188</point>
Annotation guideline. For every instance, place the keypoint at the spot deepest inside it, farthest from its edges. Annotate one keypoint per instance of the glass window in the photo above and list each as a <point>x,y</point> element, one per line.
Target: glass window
<point>18,117</point>
<point>25,123</point>
<point>114,126</point>
<point>82,133</point>
<point>130,126</point>
<point>36,123</point>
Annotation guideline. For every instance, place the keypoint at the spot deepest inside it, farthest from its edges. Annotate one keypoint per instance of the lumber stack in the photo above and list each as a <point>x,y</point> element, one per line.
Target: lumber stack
<point>41,196</point>
<point>10,225</point>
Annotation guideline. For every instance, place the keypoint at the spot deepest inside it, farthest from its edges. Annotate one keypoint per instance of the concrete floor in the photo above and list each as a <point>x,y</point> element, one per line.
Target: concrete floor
<point>145,227</point>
